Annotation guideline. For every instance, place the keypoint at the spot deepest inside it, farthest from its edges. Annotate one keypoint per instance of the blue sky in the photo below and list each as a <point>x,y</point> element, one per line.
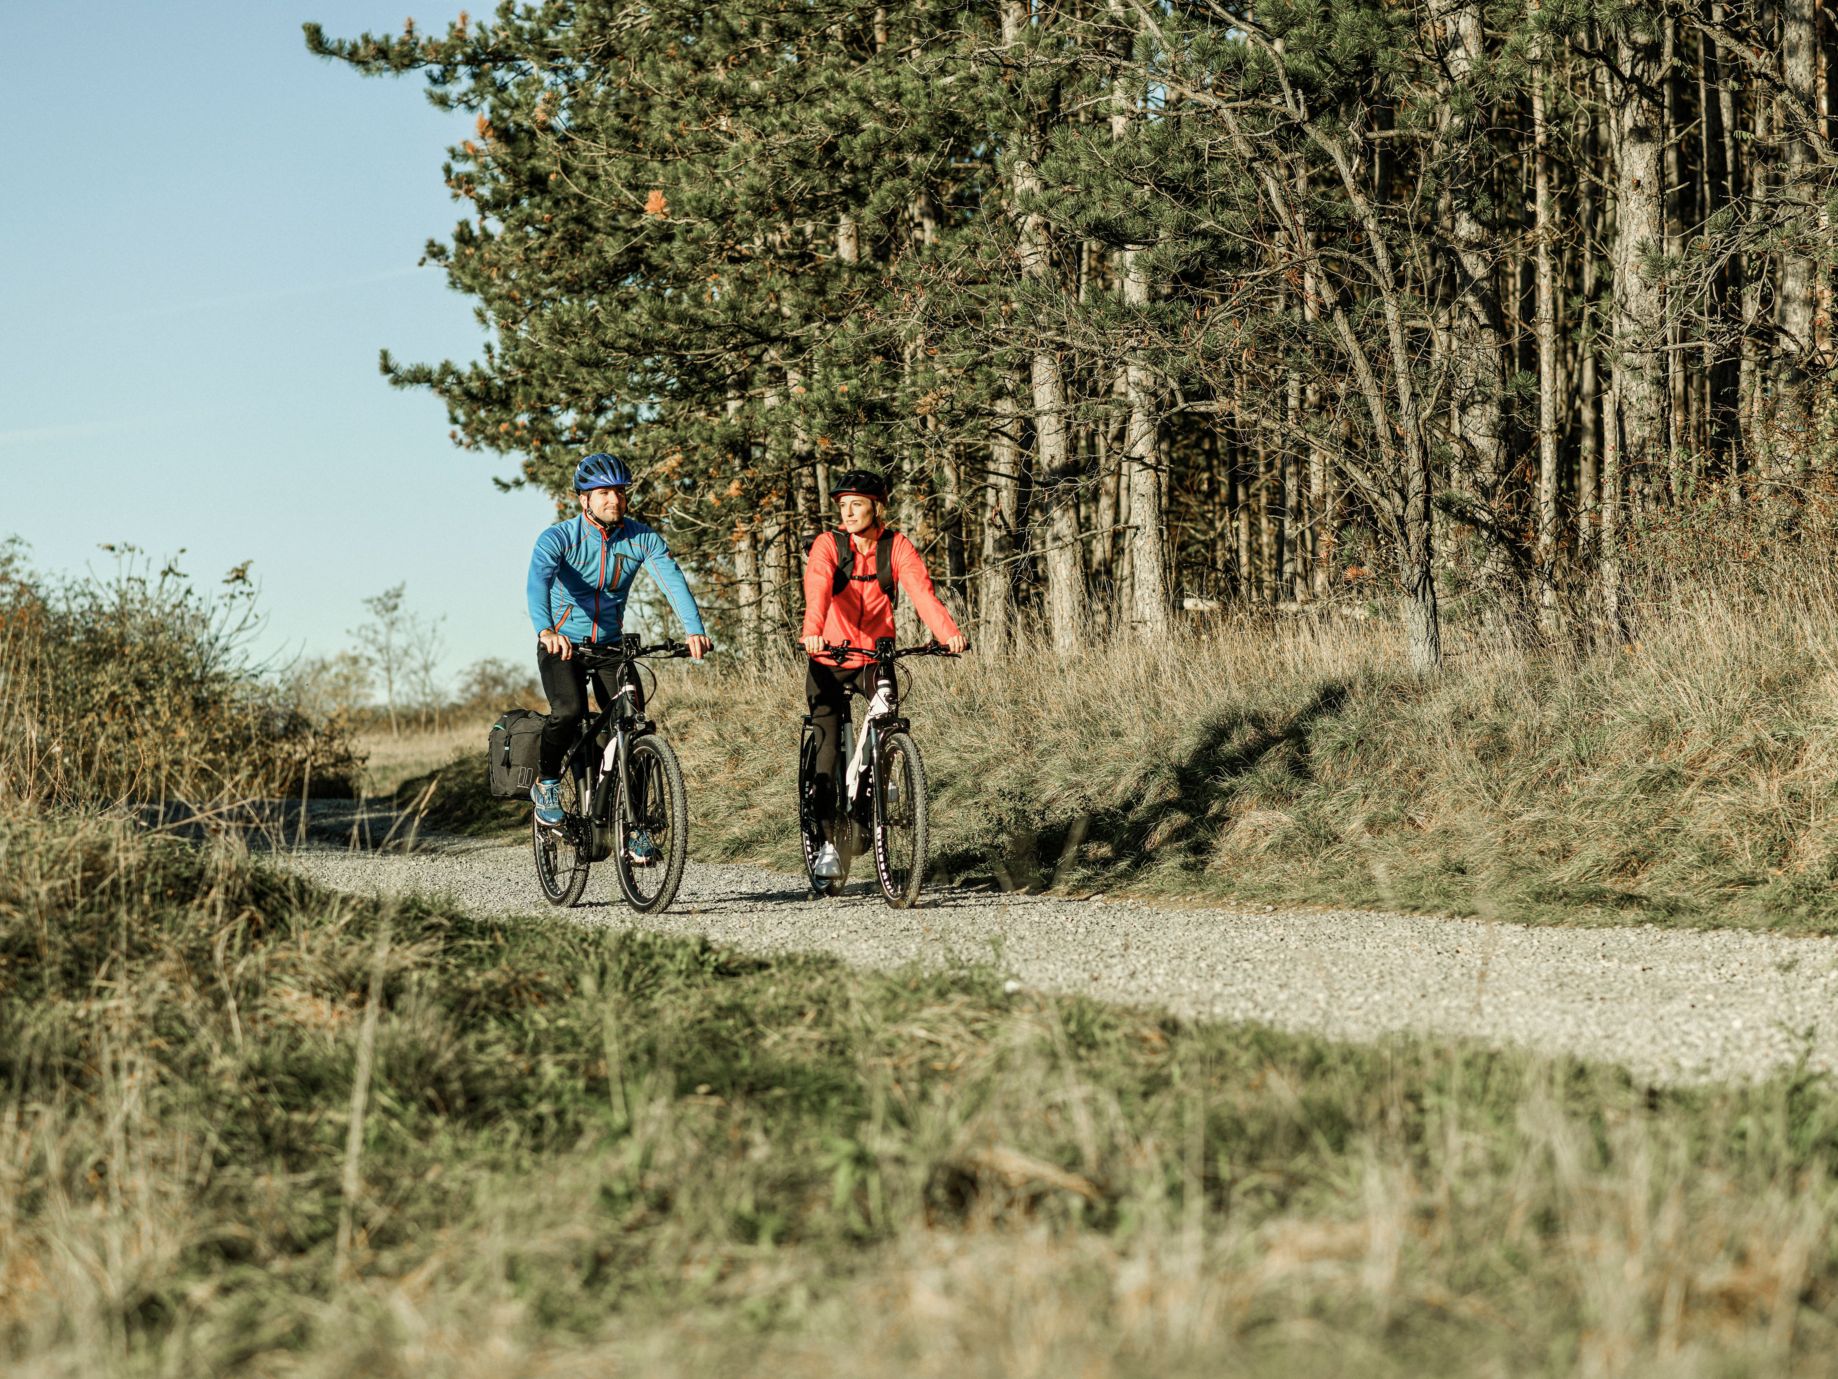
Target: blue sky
<point>208,235</point>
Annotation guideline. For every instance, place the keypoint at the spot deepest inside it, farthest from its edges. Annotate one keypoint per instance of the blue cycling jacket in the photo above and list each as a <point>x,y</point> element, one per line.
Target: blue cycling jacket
<point>581,576</point>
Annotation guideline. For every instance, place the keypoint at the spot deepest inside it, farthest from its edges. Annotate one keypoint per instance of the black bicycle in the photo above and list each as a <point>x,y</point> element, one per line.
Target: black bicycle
<point>621,792</point>
<point>878,794</point>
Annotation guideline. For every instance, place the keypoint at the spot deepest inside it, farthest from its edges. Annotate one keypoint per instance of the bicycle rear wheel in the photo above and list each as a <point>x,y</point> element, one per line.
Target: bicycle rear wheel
<point>651,826</point>
<point>810,819</point>
<point>899,819</point>
<point>562,856</point>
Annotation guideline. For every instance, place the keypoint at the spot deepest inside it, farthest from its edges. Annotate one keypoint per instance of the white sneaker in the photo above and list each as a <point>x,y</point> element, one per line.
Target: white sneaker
<point>827,864</point>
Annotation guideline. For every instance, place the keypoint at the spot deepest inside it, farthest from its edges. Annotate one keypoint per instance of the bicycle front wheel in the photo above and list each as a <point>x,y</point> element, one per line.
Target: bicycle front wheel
<point>563,850</point>
<point>899,819</point>
<point>651,829</point>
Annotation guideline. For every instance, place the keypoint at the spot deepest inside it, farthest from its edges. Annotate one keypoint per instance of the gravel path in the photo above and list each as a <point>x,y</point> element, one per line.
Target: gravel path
<point>1671,1006</point>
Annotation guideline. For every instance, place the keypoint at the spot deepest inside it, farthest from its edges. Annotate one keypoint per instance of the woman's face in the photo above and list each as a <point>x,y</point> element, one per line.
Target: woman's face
<point>857,513</point>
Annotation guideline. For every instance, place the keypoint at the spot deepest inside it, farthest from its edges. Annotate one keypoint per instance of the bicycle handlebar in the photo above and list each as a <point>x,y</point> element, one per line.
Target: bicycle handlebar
<point>837,653</point>
<point>619,651</point>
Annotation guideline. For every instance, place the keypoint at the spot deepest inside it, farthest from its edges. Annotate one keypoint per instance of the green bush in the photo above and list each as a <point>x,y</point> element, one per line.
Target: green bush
<point>137,687</point>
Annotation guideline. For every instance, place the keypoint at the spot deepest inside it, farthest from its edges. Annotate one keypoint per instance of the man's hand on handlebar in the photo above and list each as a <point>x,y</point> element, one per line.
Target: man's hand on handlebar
<point>555,644</point>
<point>699,646</point>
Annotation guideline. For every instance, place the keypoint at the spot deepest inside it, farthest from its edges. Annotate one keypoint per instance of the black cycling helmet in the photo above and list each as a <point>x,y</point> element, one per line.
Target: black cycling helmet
<point>861,482</point>
<point>601,470</point>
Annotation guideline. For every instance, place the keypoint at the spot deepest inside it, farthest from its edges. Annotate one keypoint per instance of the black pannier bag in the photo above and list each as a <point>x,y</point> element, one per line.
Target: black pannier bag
<point>516,753</point>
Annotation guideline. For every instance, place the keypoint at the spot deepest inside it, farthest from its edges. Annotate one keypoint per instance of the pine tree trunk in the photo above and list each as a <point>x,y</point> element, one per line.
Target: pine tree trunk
<point>1477,346</point>
<point>1321,495</point>
<point>1546,328</point>
<point>776,568</point>
<point>1147,555</point>
<point>1640,230</point>
<point>1001,529</point>
<point>1588,386</point>
<point>1055,463</point>
<point>1110,559</point>
<point>951,520</point>
<point>1757,430</point>
<point>1148,552</point>
<point>1796,284</point>
<point>1716,439</point>
<point>1611,516</point>
<point>746,581</point>
<point>1679,473</point>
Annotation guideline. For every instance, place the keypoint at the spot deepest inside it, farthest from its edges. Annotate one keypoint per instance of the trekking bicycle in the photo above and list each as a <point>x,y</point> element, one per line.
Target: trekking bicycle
<point>621,792</point>
<point>878,795</point>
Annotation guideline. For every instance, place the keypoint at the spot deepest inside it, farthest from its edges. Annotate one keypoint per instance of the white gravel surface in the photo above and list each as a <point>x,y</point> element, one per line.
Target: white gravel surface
<point>1671,1006</point>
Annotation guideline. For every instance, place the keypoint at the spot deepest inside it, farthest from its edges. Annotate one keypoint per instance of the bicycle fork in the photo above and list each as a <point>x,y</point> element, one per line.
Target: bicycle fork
<point>629,797</point>
<point>878,707</point>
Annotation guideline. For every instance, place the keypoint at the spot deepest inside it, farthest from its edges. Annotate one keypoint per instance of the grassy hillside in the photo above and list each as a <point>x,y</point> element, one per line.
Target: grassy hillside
<point>249,1127</point>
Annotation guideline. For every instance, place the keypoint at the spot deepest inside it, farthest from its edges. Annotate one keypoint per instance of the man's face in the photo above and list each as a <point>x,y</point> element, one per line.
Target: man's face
<point>605,505</point>
<point>857,512</point>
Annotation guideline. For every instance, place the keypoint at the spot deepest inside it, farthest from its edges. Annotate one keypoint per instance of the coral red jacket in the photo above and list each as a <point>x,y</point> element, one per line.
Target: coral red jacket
<point>861,612</point>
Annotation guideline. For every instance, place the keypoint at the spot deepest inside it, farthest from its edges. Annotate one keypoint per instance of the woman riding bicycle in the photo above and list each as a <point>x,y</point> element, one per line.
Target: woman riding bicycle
<point>852,579</point>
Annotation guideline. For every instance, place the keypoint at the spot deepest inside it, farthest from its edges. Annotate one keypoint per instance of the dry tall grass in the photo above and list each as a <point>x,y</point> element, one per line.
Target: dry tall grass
<point>1688,776</point>
<point>137,689</point>
<point>392,758</point>
<point>581,1152</point>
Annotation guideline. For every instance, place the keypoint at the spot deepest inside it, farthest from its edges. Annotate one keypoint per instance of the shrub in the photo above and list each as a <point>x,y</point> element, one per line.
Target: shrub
<point>137,687</point>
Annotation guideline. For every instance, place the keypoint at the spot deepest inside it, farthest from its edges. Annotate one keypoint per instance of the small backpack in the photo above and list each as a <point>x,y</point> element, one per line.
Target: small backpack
<point>515,754</point>
<point>883,565</point>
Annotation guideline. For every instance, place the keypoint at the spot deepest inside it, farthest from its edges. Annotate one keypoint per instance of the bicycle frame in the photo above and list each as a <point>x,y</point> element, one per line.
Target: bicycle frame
<point>591,831</point>
<point>856,753</point>
<point>859,795</point>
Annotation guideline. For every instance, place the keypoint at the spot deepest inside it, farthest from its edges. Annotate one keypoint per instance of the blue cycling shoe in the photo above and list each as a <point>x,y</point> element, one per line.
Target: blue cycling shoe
<point>548,797</point>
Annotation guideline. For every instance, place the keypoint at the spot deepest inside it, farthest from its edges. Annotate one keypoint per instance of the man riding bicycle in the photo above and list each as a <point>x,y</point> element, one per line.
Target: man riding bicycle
<point>581,575</point>
<point>852,579</point>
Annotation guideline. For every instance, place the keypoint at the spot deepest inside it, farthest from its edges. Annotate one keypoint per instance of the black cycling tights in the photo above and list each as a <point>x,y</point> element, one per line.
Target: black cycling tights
<point>565,685</point>
<point>828,690</point>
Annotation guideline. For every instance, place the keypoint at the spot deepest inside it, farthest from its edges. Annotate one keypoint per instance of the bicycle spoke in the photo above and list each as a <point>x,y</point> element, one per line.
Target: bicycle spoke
<point>899,820</point>
<point>651,832</point>
<point>561,868</point>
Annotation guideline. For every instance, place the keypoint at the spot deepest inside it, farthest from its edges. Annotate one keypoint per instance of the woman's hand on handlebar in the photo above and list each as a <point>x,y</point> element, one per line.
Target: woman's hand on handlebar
<point>555,644</point>
<point>699,646</point>
<point>958,645</point>
<point>814,645</point>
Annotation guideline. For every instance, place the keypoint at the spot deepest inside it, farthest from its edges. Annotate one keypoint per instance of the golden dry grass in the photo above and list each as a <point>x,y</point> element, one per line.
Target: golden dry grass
<point>588,1153</point>
<point>1688,776</point>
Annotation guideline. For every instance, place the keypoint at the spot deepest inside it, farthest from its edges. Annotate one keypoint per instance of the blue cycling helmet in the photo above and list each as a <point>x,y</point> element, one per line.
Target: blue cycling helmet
<point>601,470</point>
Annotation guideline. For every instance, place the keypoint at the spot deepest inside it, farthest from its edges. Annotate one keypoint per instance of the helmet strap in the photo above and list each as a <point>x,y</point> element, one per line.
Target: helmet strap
<point>587,512</point>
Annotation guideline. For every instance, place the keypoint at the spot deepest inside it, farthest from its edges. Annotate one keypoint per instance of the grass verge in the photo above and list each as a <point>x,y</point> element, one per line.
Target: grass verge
<point>251,1127</point>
